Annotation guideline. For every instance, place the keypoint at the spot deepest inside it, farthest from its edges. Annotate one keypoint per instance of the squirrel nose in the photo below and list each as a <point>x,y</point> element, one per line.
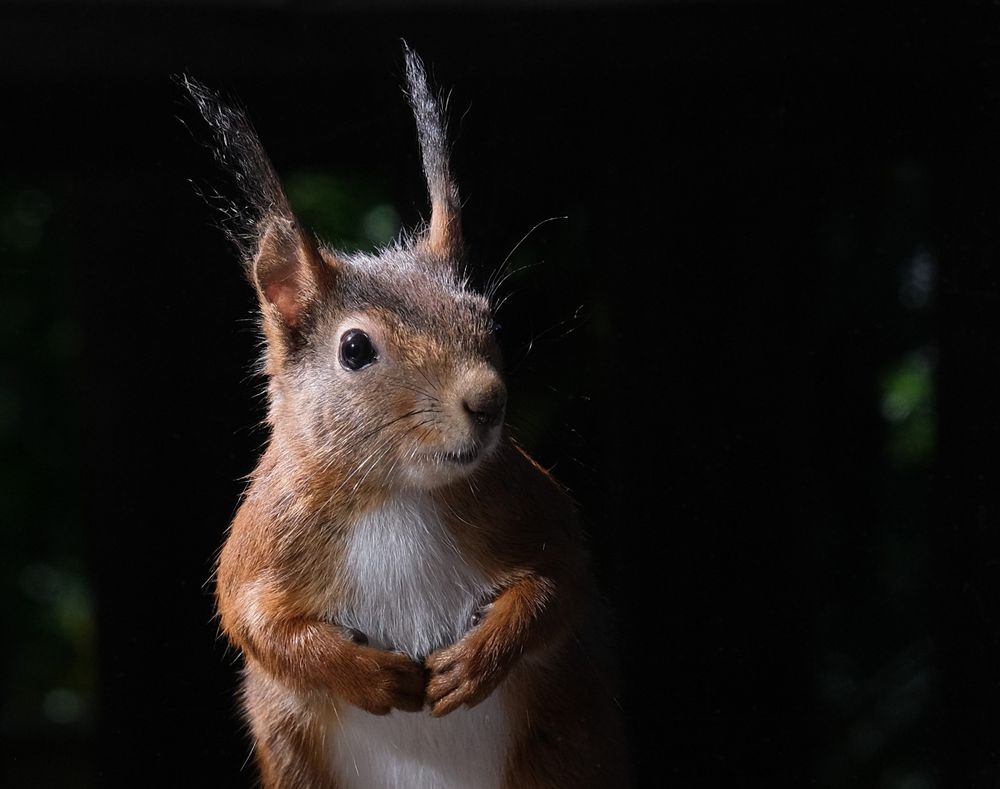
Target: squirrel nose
<point>485,407</point>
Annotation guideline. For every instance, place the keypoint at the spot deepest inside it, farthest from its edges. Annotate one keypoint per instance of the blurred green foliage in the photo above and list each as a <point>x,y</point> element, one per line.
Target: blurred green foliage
<point>351,212</point>
<point>908,407</point>
<point>49,680</point>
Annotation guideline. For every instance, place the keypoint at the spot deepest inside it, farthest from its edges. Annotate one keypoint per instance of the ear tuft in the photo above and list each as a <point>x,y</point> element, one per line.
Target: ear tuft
<point>444,236</point>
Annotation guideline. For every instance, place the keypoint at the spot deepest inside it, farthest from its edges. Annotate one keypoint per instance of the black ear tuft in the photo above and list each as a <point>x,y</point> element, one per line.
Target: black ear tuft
<point>259,198</point>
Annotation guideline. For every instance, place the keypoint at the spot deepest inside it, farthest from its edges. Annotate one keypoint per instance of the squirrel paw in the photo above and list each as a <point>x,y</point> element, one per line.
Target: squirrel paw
<point>384,681</point>
<point>461,674</point>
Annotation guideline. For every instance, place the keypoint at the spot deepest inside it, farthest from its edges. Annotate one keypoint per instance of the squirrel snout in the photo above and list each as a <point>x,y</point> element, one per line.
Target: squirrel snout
<point>485,406</point>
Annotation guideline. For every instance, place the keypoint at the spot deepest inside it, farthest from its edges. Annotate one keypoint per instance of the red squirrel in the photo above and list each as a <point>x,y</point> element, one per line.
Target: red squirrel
<point>408,588</point>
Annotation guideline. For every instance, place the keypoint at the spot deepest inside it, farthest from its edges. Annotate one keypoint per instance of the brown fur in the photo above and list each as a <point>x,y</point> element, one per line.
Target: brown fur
<point>343,442</point>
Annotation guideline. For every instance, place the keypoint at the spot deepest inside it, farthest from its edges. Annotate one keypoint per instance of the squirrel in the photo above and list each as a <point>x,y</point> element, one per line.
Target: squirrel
<point>409,589</point>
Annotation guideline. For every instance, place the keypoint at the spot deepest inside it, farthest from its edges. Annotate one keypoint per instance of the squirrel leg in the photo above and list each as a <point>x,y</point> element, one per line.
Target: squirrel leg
<point>290,743</point>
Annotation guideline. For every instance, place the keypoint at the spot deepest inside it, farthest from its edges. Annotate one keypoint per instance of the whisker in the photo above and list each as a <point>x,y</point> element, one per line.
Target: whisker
<point>503,301</point>
<point>423,374</point>
<point>382,427</point>
<point>357,469</point>
<point>543,333</point>
<point>493,291</point>
<point>416,389</point>
<point>517,246</point>
<point>371,468</point>
<point>400,440</point>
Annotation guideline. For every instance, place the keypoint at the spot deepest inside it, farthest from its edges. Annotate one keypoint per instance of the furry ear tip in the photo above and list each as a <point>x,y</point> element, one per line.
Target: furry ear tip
<point>416,75</point>
<point>409,52</point>
<point>196,91</point>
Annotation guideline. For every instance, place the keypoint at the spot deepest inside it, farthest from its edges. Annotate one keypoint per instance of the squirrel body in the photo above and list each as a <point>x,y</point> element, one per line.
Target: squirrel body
<point>409,589</point>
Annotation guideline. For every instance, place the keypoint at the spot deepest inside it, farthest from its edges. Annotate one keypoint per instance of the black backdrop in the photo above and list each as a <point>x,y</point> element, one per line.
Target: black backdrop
<point>763,353</point>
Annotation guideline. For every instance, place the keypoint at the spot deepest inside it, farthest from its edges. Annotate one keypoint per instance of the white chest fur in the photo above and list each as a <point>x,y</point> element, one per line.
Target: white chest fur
<point>409,588</point>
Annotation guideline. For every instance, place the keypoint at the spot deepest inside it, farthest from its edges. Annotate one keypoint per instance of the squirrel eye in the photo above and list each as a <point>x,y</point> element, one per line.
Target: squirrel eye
<point>356,350</point>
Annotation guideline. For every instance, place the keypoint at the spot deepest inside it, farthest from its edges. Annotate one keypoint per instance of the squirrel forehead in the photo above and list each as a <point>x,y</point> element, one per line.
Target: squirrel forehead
<point>425,299</point>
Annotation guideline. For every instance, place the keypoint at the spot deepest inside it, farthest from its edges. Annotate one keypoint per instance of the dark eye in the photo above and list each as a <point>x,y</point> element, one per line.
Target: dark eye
<point>356,350</point>
<point>495,329</point>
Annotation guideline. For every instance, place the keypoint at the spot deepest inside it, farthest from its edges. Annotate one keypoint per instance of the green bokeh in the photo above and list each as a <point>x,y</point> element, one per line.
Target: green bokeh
<point>48,682</point>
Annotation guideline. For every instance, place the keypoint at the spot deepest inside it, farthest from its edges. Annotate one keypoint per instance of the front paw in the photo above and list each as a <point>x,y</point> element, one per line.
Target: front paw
<point>464,673</point>
<point>384,681</point>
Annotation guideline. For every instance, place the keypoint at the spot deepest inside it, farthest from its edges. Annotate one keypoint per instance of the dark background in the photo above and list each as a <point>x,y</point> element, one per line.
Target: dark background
<point>762,350</point>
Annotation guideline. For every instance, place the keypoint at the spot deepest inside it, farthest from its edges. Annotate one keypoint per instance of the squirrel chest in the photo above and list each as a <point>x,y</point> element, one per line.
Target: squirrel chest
<point>406,585</point>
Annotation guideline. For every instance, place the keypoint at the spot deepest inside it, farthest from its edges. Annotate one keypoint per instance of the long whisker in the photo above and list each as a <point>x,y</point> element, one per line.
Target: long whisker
<point>544,332</point>
<point>517,246</point>
<point>383,426</point>
<point>384,448</point>
<point>503,301</point>
<point>389,448</point>
<point>429,382</point>
<point>493,291</point>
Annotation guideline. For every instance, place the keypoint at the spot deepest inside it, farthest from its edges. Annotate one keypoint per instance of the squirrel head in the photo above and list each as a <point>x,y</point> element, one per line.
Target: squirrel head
<point>383,368</point>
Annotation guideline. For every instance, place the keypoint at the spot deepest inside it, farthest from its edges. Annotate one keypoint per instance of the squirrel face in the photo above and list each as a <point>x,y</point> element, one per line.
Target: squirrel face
<point>397,374</point>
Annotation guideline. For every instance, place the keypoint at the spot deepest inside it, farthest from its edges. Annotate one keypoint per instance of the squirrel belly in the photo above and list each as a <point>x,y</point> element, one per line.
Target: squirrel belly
<point>407,587</point>
<point>467,748</point>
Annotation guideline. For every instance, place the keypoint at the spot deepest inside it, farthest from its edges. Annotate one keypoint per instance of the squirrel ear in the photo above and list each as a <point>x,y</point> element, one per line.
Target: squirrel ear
<point>288,271</point>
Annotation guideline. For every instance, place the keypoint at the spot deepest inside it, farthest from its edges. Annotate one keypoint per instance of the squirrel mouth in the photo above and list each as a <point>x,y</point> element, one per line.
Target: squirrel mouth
<point>463,458</point>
